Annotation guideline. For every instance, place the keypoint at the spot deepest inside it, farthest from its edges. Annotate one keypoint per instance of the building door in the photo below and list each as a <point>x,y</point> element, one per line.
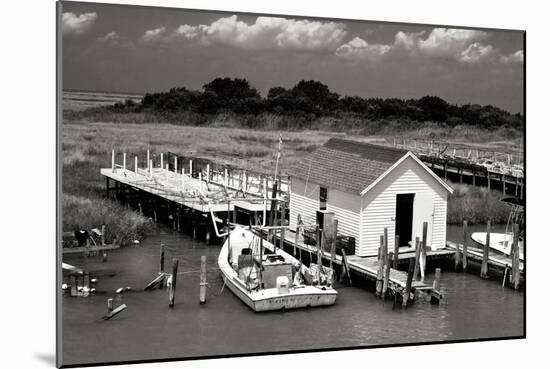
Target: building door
<point>404,205</point>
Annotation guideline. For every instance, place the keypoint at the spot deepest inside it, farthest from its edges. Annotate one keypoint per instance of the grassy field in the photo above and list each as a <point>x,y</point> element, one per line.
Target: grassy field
<point>87,148</point>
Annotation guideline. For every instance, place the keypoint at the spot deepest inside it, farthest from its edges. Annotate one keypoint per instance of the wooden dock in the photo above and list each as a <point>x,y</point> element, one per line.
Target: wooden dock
<point>495,260</point>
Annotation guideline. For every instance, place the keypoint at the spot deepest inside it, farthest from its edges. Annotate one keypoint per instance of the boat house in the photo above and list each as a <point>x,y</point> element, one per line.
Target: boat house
<point>368,188</point>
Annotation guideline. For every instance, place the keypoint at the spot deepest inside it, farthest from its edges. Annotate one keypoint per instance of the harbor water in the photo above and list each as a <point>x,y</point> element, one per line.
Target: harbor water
<point>149,329</point>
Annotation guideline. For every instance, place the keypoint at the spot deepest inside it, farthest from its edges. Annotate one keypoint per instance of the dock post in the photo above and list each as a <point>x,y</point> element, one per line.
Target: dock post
<point>333,242</point>
<point>124,161</point>
<point>319,254</point>
<point>109,305</point>
<point>485,261</point>
<point>190,168</point>
<point>396,250</point>
<point>208,173</point>
<point>148,158</point>
<point>436,288</point>
<point>136,164</point>
<point>161,260</point>
<point>202,289</point>
<point>387,270</point>
<point>73,283</point>
<point>380,247</point>
<point>151,168</point>
<point>416,257</point>
<point>515,258</point>
<point>175,163</point>
<point>298,221</point>
<point>464,245</point>
<point>113,160</point>
<point>161,161</point>
<point>381,262</point>
<point>407,292</point>
<point>172,296</point>
<point>283,224</point>
<point>423,257</point>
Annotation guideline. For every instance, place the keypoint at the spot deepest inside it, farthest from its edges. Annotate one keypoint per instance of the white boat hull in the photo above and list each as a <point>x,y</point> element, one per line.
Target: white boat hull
<point>270,299</point>
<point>501,242</point>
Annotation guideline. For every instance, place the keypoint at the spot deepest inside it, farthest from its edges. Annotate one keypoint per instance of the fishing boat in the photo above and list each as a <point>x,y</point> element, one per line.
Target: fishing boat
<point>501,242</point>
<point>266,278</point>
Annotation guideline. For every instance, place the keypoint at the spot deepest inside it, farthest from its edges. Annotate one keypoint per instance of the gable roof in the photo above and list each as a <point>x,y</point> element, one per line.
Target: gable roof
<point>352,166</point>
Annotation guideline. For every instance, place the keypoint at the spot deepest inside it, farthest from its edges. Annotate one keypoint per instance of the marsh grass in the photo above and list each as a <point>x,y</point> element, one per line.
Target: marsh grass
<point>476,205</point>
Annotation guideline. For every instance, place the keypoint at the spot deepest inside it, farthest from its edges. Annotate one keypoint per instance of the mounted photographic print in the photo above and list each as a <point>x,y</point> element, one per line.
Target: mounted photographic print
<point>243,184</point>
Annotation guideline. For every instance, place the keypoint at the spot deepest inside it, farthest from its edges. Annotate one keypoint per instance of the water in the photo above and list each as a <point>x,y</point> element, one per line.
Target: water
<point>149,329</point>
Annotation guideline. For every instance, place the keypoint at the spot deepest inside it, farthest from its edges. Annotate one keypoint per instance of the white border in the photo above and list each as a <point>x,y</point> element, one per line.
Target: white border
<point>28,181</point>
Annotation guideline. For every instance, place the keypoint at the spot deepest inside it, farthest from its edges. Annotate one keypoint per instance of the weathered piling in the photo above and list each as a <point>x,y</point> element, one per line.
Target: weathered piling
<point>464,245</point>
<point>436,294</point>
<point>485,260</point>
<point>283,221</point>
<point>203,283</point>
<point>109,305</point>
<point>515,259</point>
<point>408,285</point>
<point>114,312</point>
<point>423,256</point>
<point>416,257</point>
<point>172,295</point>
<point>333,242</point>
<point>161,258</point>
<point>298,221</point>
<point>319,257</point>
<point>382,259</point>
<point>387,270</point>
<point>396,251</point>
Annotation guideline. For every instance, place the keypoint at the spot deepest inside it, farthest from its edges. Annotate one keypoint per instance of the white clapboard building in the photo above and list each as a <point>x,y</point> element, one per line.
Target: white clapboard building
<point>368,188</point>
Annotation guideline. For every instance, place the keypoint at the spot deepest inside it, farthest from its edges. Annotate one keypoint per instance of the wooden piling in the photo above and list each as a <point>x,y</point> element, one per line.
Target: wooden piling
<point>190,168</point>
<point>298,221</point>
<point>113,160</point>
<point>515,259</point>
<point>148,159</point>
<point>381,263</point>
<point>109,305</point>
<point>202,288</point>
<point>407,291</point>
<point>436,295</point>
<point>345,267</point>
<point>333,242</point>
<point>319,255</point>
<point>464,245</point>
<point>172,296</point>
<point>161,161</point>
<point>423,256</point>
<point>396,251</point>
<point>124,161</point>
<point>135,164</point>
<point>485,260</point>
<point>283,224</point>
<point>387,270</point>
<point>416,257</point>
<point>161,259</point>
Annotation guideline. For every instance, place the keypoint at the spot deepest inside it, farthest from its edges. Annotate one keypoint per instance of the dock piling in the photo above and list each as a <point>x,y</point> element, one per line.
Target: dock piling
<point>423,256</point>
<point>333,242</point>
<point>113,160</point>
<point>109,305</point>
<point>203,284</point>
<point>436,294</point>
<point>387,269</point>
<point>161,161</point>
<point>416,257</point>
<point>485,260</point>
<point>396,250</point>
<point>407,291</point>
<point>515,258</point>
<point>172,295</point>
<point>161,259</point>
<point>136,164</point>
<point>464,245</point>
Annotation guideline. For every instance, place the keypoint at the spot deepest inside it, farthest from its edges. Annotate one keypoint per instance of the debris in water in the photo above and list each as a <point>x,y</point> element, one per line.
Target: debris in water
<point>136,242</point>
<point>64,286</point>
<point>93,280</point>
<point>128,288</point>
<point>119,290</point>
<point>92,290</point>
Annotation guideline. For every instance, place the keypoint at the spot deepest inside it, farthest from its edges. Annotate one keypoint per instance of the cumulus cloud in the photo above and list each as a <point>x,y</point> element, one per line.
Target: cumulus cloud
<point>516,57</point>
<point>448,43</point>
<point>264,33</point>
<point>476,52</point>
<point>360,49</point>
<point>77,25</point>
<point>113,39</point>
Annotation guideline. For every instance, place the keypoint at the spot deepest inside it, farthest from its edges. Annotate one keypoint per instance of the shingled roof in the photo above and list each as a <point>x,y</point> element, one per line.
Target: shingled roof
<point>347,165</point>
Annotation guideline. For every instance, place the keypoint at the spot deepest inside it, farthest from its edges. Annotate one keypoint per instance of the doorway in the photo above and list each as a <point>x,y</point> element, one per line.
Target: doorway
<point>404,204</point>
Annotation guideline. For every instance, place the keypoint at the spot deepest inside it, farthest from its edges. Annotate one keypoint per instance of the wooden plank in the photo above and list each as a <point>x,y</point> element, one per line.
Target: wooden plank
<point>111,314</point>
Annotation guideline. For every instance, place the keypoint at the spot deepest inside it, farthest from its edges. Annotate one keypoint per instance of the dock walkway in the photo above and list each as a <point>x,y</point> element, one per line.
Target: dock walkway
<point>496,260</point>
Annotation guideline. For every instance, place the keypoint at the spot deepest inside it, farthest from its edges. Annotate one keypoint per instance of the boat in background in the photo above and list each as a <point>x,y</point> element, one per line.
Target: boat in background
<point>266,278</point>
<point>502,242</point>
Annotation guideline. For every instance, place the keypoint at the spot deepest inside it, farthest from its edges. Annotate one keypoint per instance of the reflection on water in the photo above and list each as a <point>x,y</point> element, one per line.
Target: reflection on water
<point>149,329</point>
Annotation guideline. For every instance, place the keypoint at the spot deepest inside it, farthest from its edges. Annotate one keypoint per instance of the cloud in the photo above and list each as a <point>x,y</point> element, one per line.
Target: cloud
<point>358,48</point>
<point>447,43</point>
<point>113,39</point>
<point>477,52</point>
<point>265,33</point>
<point>76,25</point>
<point>512,58</point>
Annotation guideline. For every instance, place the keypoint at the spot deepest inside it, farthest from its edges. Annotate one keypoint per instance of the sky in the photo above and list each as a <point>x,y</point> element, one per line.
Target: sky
<point>117,48</point>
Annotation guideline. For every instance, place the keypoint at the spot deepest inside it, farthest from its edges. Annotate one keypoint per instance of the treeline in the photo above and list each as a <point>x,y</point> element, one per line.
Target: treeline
<point>310,100</point>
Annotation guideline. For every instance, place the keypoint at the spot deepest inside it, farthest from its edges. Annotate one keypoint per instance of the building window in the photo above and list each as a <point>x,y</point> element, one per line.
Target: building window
<point>323,198</point>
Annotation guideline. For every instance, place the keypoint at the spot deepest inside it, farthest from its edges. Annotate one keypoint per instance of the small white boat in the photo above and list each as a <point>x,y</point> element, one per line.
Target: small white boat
<point>501,242</point>
<point>267,280</point>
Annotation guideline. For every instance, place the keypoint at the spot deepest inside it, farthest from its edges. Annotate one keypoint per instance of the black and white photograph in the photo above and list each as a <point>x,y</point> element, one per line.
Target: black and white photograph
<point>240,184</point>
